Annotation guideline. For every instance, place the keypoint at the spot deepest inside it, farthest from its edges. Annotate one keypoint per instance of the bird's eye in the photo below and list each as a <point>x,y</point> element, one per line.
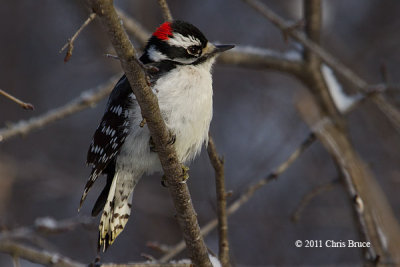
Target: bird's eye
<point>194,50</point>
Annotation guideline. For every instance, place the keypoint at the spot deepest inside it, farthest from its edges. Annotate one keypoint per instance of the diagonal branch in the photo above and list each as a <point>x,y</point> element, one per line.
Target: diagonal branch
<point>218,165</point>
<point>87,99</point>
<point>151,112</point>
<point>246,195</point>
<point>23,104</point>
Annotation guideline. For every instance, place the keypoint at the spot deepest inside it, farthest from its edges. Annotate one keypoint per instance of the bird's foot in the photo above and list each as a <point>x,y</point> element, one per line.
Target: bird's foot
<point>185,176</point>
<point>172,138</point>
<point>171,141</point>
<point>142,123</point>
<point>152,145</point>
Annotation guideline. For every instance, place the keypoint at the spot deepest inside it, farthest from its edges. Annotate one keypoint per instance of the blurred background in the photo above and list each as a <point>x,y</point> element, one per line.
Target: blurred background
<point>255,127</point>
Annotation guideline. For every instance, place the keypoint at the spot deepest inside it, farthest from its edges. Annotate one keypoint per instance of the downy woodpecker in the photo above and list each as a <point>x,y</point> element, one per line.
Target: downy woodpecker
<point>181,59</point>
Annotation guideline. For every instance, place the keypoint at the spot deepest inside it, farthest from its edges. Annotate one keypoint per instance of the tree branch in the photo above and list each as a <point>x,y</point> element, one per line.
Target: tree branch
<point>218,165</point>
<point>260,58</point>
<point>165,9</point>
<point>87,99</point>
<point>151,112</point>
<point>245,196</point>
<point>46,225</point>
<point>37,256</point>
<point>23,104</point>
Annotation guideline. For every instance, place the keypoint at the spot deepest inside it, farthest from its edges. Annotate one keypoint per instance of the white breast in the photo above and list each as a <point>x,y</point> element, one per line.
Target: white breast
<point>185,100</point>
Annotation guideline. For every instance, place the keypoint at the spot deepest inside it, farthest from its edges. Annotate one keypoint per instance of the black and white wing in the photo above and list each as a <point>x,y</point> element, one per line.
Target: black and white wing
<point>110,135</point>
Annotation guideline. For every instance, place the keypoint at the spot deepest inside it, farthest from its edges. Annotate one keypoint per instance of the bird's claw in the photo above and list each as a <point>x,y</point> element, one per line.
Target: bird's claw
<point>185,172</point>
<point>152,145</point>
<point>185,176</point>
<point>172,138</point>
<point>142,123</point>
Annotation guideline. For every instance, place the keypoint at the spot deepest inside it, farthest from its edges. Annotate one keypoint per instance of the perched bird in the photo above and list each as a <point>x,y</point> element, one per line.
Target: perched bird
<point>179,59</point>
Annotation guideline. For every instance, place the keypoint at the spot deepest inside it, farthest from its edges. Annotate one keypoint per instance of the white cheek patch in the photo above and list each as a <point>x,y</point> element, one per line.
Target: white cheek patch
<point>156,55</point>
<point>183,41</point>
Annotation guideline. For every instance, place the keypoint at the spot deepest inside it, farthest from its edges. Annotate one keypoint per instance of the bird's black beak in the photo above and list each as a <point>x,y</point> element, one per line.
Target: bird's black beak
<point>222,48</point>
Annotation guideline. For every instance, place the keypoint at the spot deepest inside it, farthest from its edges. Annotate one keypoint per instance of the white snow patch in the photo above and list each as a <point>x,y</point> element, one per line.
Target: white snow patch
<point>342,101</point>
<point>46,222</point>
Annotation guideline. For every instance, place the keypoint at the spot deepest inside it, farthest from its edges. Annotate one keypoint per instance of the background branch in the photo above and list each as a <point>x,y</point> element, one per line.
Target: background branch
<point>87,99</point>
<point>218,164</point>
<point>37,256</point>
<point>165,10</point>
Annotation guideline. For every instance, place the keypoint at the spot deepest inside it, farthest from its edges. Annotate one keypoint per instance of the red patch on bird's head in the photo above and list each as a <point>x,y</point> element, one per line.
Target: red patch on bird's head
<point>164,31</point>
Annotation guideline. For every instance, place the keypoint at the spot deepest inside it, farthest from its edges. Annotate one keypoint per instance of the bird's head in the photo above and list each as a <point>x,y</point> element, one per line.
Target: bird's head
<point>182,43</point>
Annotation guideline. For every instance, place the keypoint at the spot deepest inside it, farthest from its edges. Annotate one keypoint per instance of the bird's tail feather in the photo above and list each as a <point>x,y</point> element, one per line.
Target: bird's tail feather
<point>115,214</point>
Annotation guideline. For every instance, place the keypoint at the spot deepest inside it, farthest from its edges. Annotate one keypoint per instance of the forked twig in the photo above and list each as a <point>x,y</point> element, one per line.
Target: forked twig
<point>70,43</point>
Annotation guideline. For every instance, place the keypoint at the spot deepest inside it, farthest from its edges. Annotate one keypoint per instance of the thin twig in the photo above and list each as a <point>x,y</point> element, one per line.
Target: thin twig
<point>310,196</point>
<point>70,43</point>
<point>218,165</point>
<point>86,99</point>
<point>23,104</point>
<point>245,196</point>
<point>165,10</point>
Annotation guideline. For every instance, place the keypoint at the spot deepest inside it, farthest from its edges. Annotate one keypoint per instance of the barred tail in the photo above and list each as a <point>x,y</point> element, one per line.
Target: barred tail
<point>116,212</point>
